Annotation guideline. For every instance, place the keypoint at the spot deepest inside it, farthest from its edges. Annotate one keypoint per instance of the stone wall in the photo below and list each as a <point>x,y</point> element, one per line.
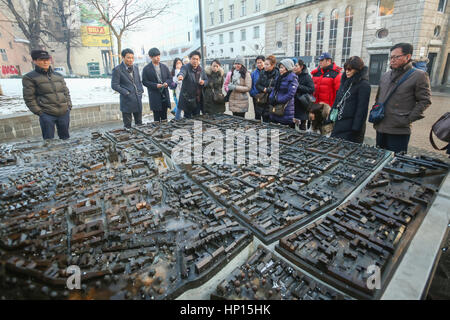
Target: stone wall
<point>27,125</point>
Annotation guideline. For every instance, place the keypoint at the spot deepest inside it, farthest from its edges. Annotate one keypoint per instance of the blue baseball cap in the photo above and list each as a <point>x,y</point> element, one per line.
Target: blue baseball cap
<point>325,55</point>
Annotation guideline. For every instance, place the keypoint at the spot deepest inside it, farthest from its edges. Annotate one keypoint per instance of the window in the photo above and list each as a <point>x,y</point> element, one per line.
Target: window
<point>197,34</point>
<point>348,25</point>
<point>257,5</point>
<point>382,33</point>
<point>211,15</point>
<point>256,32</point>
<point>232,12</point>
<point>196,19</point>
<point>231,34</point>
<point>4,56</point>
<point>441,6</point>
<point>280,1</point>
<point>385,7</point>
<point>243,35</point>
<point>243,8</point>
<point>437,31</point>
<point>333,32</point>
<point>298,29</point>
<point>320,32</point>
<point>221,38</point>
<point>220,15</point>
<point>308,35</point>
<point>243,48</point>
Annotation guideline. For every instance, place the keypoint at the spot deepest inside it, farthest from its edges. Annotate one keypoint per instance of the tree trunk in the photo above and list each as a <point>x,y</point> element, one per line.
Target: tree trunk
<point>119,48</point>
<point>69,65</point>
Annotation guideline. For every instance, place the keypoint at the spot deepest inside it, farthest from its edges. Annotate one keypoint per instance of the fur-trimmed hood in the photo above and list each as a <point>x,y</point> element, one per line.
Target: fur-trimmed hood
<point>208,71</point>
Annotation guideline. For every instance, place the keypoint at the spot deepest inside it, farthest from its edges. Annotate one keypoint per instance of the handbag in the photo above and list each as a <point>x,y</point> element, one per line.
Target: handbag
<point>441,129</point>
<point>218,98</point>
<point>279,108</point>
<point>334,114</point>
<point>263,97</point>
<point>377,112</point>
<point>305,100</point>
<point>190,103</point>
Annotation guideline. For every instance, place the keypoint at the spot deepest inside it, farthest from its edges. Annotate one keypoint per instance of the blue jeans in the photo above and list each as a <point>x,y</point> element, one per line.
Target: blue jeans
<point>48,123</point>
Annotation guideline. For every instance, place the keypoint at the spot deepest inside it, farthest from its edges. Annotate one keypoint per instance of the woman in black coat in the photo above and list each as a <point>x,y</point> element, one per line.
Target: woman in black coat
<point>265,84</point>
<point>352,102</point>
<point>305,86</point>
<point>213,89</point>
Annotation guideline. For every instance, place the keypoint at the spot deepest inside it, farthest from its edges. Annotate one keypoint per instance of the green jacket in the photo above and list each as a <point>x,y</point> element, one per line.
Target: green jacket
<point>46,92</point>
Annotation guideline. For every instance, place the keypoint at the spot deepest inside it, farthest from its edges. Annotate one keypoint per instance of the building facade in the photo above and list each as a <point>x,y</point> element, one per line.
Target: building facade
<point>235,28</point>
<point>14,57</point>
<point>306,28</point>
<point>86,59</point>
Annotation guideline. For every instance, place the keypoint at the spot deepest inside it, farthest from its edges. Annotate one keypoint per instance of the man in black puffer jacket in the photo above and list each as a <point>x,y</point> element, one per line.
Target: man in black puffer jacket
<point>352,102</point>
<point>46,95</point>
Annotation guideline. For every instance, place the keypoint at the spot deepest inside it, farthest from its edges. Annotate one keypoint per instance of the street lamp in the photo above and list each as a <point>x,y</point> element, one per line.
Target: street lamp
<point>201,33</point>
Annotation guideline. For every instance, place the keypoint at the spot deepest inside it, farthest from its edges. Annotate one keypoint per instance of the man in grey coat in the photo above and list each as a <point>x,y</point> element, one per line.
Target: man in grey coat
<point>127,81</point>
<point>406,105</point>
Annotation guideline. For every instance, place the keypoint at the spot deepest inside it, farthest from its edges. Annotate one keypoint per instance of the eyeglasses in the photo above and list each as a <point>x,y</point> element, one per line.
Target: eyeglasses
<point>397,57</point>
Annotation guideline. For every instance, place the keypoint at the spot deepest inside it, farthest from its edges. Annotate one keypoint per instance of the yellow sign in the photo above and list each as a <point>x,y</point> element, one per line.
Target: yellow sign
<point>93,36</point>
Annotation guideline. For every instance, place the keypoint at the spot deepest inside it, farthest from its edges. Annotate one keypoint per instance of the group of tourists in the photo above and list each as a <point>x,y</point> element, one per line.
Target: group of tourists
<point>330,100</point>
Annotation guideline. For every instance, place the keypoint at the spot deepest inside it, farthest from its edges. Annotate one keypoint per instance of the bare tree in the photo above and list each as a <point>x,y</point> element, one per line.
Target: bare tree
<point>28,18</point>
<point>126,15</point>
<point>68,38</point>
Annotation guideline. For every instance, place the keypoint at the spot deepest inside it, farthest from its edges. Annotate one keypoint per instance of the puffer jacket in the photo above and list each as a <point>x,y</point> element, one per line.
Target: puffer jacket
<point>266,80</point>
<point>305,86</point>
<point>284,92</point>
<point>46,92</point>
<point>326,83</point>
<point>213,87</point>
<point>408,103</point>
<point>239,96</point>
<point>351,124</point>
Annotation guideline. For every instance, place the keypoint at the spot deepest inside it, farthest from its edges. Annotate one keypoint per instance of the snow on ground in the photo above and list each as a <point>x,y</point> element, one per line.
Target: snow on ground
<point>82,92</point>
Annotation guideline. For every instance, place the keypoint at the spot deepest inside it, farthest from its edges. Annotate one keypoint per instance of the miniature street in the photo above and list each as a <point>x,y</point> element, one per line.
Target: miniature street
<point>113,202</point>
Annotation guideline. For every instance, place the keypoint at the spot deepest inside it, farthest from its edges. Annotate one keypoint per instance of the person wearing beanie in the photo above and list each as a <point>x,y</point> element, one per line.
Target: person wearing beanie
<point>284,92</point>
<point>303,97</point>
<point>239,82</point>
<point>157,78</point>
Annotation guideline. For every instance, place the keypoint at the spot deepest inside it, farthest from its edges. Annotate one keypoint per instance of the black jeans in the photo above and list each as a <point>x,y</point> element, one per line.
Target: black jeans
<point>239,114</point>
<point>393,142</point>
<point>128,117</point>
<point>48,123</point>
<point>159,116</point>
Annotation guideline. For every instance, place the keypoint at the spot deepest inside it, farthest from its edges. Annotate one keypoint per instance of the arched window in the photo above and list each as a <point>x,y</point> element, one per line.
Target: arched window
<point>308,35</point>
<point>298,28</point>
<point>333,32</point>
<point>348,26</point>
<point>320,32</point>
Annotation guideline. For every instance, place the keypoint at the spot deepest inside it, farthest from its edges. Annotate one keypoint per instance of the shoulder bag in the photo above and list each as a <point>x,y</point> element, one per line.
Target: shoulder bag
<point>441,129</point>
<point>376,114</point>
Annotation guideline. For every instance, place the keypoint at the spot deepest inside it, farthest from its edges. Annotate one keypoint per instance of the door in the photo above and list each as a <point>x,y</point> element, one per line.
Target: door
<point>446,77</point>
<point>432,57</point>
<point>378,66</point>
